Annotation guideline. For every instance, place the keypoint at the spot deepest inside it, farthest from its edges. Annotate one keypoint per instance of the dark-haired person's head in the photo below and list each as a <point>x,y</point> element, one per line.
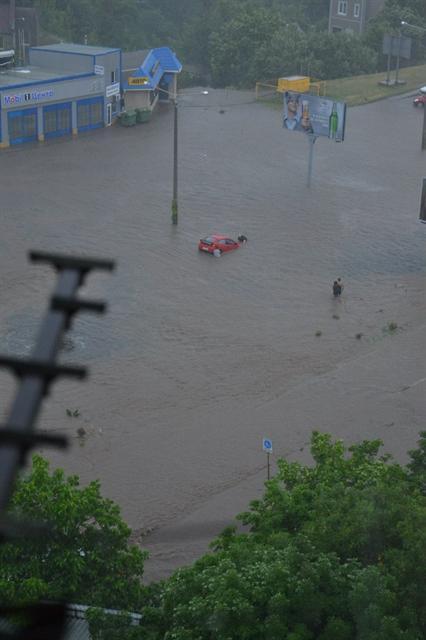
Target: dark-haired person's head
<point>292,101</point>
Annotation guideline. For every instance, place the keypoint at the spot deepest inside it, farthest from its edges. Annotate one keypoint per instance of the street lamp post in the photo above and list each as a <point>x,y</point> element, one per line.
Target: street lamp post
<point>175,163</point>
<point>412,26</point>
<point>424,129</point>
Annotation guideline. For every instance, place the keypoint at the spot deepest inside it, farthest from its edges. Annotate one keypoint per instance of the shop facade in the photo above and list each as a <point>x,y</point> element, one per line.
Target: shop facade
<point>148,77</point>
<point>66,89</point>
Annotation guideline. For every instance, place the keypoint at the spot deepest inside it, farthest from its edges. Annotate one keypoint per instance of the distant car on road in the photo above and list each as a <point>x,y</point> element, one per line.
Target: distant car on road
<point>420,101</point>
<point>217,245</point>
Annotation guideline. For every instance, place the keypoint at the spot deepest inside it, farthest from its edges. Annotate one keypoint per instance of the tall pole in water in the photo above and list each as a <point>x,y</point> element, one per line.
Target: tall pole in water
<point>175,160</point>
<point>312,138</point>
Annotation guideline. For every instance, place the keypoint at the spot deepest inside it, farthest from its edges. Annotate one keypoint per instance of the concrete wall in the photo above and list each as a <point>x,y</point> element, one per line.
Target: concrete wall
<point>349,21</point>
<point>60,61</point>
<point>57,92</point>
<point>111,62</point>
<point>373,7</point>
<point>137,100</point>
<point>368,9</point>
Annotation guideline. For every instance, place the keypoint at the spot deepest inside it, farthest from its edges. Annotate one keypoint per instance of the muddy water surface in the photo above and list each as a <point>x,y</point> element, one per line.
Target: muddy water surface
<point>192,364</point>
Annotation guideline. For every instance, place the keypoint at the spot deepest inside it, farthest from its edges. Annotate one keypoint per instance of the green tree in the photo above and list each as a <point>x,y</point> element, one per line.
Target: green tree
<point>86,557</point>
<point>388,21</point>
<point>233,47</point>
<point>335,551</point>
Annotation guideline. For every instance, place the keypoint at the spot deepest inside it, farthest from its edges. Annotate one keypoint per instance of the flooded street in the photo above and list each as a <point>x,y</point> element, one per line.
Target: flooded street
<point>199,358</point>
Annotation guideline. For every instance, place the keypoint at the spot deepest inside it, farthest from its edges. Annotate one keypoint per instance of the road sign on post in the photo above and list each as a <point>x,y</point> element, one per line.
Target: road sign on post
<point>267,447</point>
<point>398,46</point>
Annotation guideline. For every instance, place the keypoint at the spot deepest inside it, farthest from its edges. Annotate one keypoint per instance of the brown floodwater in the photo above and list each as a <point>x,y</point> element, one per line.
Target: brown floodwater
<point>197,356</point>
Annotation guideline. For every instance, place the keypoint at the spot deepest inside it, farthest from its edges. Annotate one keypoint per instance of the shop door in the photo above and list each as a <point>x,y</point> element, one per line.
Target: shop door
<point>22,126</point>
<point>90,114</point>
<point>109,114</point>
<point>57,120</point>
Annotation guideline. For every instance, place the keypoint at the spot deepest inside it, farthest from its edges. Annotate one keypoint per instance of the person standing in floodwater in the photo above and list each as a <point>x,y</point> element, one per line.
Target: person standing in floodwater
<point>337,289</point>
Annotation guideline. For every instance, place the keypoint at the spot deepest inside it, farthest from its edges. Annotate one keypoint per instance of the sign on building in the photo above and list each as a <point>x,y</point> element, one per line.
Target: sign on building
<point>112,90</point>
<point>12,99</point>
<point>314,115</point>
<point>138,81</point>
<point>99,70</point>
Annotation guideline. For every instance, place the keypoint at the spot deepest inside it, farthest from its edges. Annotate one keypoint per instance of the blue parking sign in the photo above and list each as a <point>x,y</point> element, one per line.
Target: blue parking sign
<point>267,445</point>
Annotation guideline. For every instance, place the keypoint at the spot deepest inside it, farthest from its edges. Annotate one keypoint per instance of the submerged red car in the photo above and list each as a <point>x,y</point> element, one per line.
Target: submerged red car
<point>420,101</point>
<point>217,245</point>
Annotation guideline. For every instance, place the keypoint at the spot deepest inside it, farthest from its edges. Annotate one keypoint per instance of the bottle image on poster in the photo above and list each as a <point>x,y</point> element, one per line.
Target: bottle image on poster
<point>333,123</point>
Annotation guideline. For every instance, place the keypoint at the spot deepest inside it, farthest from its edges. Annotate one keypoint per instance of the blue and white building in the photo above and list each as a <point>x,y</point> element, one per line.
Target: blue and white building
<point>149,76</point>
<point>70,88</point>
<point>65,89</point>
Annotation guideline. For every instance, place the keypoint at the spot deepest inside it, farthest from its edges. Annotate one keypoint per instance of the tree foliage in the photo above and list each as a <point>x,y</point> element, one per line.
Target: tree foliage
<point>388,21</point>
<point>237,42</point>
<point>85,558</point>
<point>335,552</point>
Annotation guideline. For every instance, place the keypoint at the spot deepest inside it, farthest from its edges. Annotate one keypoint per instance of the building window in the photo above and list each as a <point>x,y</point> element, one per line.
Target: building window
<point>112,77</point>
<point>50,122</point>
<point>83,115</point>
<point>342,8</point>
<point>357,10</point>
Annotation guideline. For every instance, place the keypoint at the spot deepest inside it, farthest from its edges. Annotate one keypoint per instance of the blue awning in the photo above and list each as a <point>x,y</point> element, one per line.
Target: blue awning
<point>157,63</point>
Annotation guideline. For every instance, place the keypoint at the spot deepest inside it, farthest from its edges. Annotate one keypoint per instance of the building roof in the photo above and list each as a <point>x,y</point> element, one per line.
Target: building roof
<point>82,49</point>
<point>156,64</point>
<point>24,76</point>
<point>167,59</point>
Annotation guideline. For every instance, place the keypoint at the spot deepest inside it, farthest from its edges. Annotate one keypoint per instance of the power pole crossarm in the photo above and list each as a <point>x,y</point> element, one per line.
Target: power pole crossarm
<point>36,373</point>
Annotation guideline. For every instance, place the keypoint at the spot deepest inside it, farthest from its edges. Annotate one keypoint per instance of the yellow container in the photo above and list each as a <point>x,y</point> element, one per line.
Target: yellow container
<point>299,84</point>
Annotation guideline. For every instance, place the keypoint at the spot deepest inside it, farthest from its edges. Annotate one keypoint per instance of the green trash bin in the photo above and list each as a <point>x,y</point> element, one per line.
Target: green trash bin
<point>128,118</point>
<point>143,115</point>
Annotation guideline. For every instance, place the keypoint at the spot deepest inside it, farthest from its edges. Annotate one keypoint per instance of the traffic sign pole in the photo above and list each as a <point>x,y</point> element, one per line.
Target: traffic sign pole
<point>267,447</point>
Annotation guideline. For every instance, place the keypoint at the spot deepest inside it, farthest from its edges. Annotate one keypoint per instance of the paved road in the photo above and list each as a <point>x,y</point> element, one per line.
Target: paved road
<point>199,358</point>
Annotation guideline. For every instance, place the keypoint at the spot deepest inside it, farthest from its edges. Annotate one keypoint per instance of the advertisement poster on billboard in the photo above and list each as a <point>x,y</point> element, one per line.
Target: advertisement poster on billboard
<point>314,115</point>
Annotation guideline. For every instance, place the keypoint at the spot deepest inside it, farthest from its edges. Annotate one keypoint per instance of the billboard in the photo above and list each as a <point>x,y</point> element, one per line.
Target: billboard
<point>314,115</point>
<point>397,46</point>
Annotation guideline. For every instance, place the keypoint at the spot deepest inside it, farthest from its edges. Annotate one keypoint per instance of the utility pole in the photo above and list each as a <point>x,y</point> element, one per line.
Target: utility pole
<point>36,373</point>
<point>312,137</point>
<point>175,163</point>
<point>424,129</point>
<point>389,65</point>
